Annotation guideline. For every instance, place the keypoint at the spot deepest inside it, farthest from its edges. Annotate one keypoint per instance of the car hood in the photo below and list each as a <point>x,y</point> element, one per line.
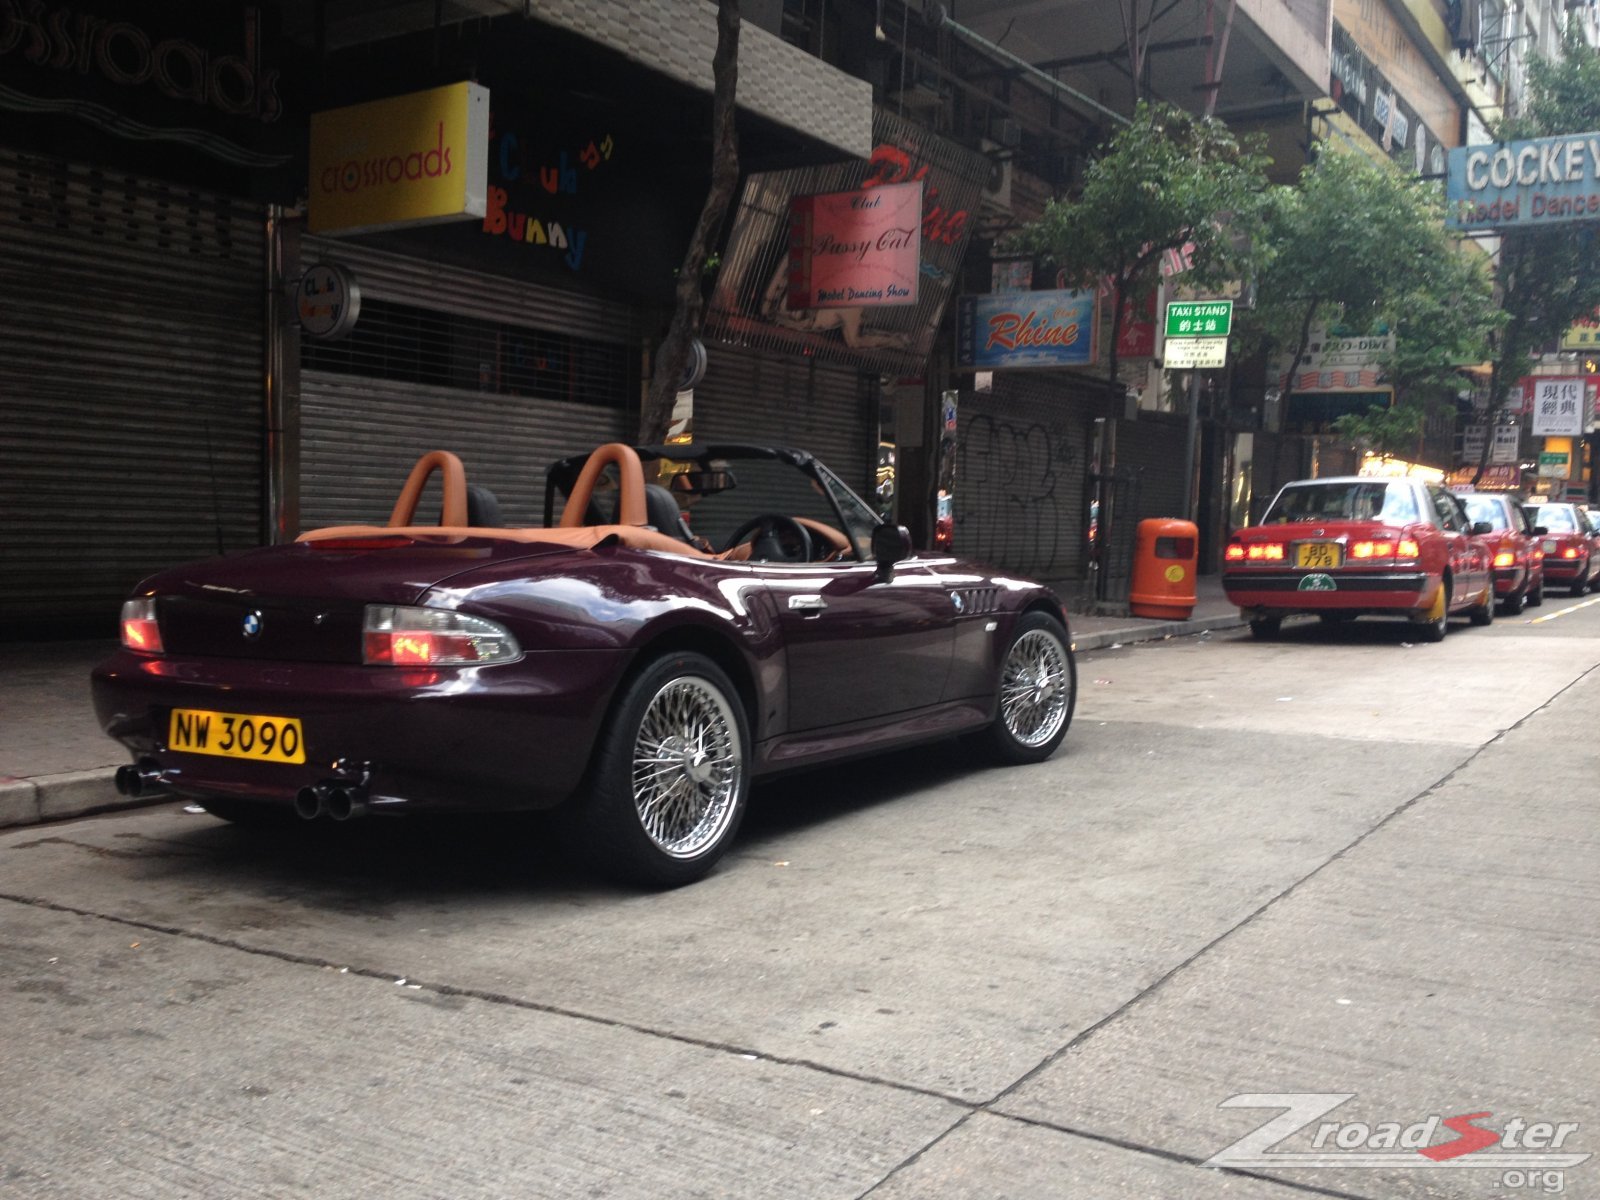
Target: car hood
<point>307,599</point>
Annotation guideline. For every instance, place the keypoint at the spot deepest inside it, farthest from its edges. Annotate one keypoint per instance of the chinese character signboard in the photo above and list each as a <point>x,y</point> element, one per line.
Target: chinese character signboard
<point>1026,329</point>
<point>855,249</point>
<point>1338,363</point>
<point>1199,318</point>
<point>1558,404</point>
<point>1187,353</point>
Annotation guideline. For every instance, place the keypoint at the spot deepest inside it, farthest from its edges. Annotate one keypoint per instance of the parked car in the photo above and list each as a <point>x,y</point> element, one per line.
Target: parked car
<point>1516,552</point>
<point>1570,556</point>
<point>1353,545</point>
<point>602,663</point>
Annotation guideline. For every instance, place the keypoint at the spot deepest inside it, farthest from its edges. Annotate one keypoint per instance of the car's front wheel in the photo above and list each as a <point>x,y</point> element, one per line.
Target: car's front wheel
<point>1536,596</point>
<point>1483,614</point>
<point>1038,691</point>
<point>670,777</point>
<point>1512,605</point>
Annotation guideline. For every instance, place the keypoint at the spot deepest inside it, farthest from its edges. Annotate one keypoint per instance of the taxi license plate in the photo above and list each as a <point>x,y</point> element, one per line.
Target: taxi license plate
<point>236,735</point>
<point>1317,555</point>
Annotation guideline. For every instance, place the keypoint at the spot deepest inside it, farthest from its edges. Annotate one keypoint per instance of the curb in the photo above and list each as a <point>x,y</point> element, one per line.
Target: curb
<point>1155,631</point>
<point>60,797</point>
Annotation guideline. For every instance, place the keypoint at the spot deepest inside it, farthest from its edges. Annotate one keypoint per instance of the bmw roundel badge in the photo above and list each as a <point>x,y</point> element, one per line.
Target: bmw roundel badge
<point>252,625</point>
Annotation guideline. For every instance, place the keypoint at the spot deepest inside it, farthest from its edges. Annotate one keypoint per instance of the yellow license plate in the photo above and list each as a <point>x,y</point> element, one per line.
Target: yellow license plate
<point>1319,555</point>
<point>236,735</point>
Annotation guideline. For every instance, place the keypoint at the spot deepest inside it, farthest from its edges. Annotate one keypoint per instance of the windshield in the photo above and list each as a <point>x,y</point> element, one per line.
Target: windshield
<point>1349,501</point>
<point>1482,508</point>
<point>1558,518</point>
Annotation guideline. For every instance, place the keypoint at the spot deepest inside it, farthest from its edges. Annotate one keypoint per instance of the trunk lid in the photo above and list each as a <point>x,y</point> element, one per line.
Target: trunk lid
<point>305,602</point>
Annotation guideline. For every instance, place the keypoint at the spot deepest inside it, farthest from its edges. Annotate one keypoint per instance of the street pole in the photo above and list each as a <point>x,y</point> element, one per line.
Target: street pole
<point>1189,444</point>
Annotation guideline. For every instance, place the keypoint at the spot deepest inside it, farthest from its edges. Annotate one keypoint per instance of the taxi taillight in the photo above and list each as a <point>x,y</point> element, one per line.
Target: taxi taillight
<point>1371,549</point>
<point>1254,552</point>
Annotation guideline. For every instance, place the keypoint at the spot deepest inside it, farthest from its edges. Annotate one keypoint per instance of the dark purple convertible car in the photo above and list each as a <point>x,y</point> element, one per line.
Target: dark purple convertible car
<point>687,619</point>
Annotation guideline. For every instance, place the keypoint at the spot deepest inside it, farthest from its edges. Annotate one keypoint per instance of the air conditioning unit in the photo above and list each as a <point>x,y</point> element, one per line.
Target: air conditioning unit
<point>996,196</point>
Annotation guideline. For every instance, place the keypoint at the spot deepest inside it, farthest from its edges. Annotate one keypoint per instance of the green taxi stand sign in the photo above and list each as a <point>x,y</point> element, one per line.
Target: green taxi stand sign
<point>1199,318</point>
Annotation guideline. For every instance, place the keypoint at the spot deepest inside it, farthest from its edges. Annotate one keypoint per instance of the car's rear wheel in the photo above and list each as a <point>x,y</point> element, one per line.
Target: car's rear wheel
<point>1512,605</point>
<point>1536,596</point>
<point>1434,622</point>
<point>1580,587</point>
<point>1483,612</point>
<point>1265,627</point>
<point>670,777</point>
<point>1038,691</point>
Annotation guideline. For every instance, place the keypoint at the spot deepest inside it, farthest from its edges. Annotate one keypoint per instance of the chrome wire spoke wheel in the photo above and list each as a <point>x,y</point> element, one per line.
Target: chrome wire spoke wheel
<point>687,767</point>
<point>1035,688</point>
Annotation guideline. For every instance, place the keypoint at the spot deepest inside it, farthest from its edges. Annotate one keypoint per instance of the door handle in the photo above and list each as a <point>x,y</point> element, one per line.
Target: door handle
<point>811,604</point>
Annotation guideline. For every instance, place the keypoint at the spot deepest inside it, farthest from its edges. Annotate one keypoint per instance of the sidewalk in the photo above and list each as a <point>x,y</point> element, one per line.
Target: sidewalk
<point>55,762</point>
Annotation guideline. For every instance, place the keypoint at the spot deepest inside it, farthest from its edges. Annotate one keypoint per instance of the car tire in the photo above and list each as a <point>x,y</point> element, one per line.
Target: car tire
<point>1265,628</point>
<point>1514,602</point>
<point>1037,692</point>
<point>1483,614</point>
<point>1536,596</point>
<point>1580,588</point>
<point>1336,618</point>
<point>1432,628</point>
<point>670,776</point>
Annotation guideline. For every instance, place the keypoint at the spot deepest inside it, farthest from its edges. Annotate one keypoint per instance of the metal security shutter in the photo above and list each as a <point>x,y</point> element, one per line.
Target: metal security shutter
<point>1154,445</point>
<point>1020,468</point>
<point>131,379</point>
<point>363,435</point>
<point>774,400</point>
<point>362,427</point>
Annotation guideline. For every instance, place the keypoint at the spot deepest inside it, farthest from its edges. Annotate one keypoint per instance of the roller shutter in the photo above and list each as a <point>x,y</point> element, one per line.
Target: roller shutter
<point>131,378</point>
<point>508,375</point>
<point>778,400</point>
<point>1020,469</point>
<point>1154,446</point>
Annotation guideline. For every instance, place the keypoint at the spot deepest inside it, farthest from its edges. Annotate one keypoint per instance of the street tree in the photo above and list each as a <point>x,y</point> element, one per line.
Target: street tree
<point>1167,181</point>
<point>1548,276</point>
<point>1359,246</point>
<point>655,415</point>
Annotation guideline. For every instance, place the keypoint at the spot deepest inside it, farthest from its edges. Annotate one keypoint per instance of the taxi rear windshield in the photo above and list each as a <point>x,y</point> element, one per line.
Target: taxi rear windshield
<point>1480,508</point>
<point>1343,502</point>
<point>1558,519</point>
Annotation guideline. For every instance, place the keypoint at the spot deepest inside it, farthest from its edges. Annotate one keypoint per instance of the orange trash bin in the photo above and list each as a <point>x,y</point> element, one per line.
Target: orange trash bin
<point>1166,552</point>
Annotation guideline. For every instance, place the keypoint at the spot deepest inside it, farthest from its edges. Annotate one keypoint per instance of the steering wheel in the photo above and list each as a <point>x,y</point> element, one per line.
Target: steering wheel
<point>777,537</point>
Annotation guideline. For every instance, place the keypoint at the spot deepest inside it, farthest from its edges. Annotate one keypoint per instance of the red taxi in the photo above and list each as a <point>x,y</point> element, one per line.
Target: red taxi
<point>1353,545</point>
<point>1570,557</point>
<point>1516,552</point>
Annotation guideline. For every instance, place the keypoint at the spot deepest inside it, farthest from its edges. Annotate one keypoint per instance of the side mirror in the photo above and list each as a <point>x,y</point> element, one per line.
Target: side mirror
<point>1482,527</point>
<point>1539,531</point>
<point>890,544</point>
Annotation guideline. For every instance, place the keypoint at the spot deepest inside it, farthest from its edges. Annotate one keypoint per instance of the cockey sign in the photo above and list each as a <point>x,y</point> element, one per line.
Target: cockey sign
<point>1506,185</point>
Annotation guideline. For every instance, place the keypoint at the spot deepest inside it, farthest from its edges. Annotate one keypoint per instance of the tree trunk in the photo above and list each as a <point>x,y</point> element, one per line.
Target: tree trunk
<point>655,416</point>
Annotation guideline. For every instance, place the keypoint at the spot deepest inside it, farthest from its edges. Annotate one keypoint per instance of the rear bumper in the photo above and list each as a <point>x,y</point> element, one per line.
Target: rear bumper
<point>510,736</point>
<point>1508,581</point>
<point>1565,570</point>
<point>1287,591</point>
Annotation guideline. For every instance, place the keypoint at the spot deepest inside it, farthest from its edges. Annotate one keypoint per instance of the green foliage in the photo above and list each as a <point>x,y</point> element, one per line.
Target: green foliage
<point>1392,429</point>
<point>1359,245</point>
<point>1548,276</point>
<point>1166,179</point>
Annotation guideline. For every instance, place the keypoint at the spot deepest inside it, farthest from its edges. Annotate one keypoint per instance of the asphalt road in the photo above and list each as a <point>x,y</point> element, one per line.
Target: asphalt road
<point>1332,865</point>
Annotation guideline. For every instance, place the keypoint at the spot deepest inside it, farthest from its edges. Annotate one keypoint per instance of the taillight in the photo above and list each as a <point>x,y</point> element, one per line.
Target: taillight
<point>1234,552</point>
<point>1371,549</point>
<point>1407,548</point>
<point>1571,552</point>
<point>1505,559</point>
<point>139,628</point>
<point>1254,552</point>
<point>396,636</point>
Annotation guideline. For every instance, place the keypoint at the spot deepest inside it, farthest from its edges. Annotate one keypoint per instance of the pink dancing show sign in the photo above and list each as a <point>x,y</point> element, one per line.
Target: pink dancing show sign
<point>855,249</point>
